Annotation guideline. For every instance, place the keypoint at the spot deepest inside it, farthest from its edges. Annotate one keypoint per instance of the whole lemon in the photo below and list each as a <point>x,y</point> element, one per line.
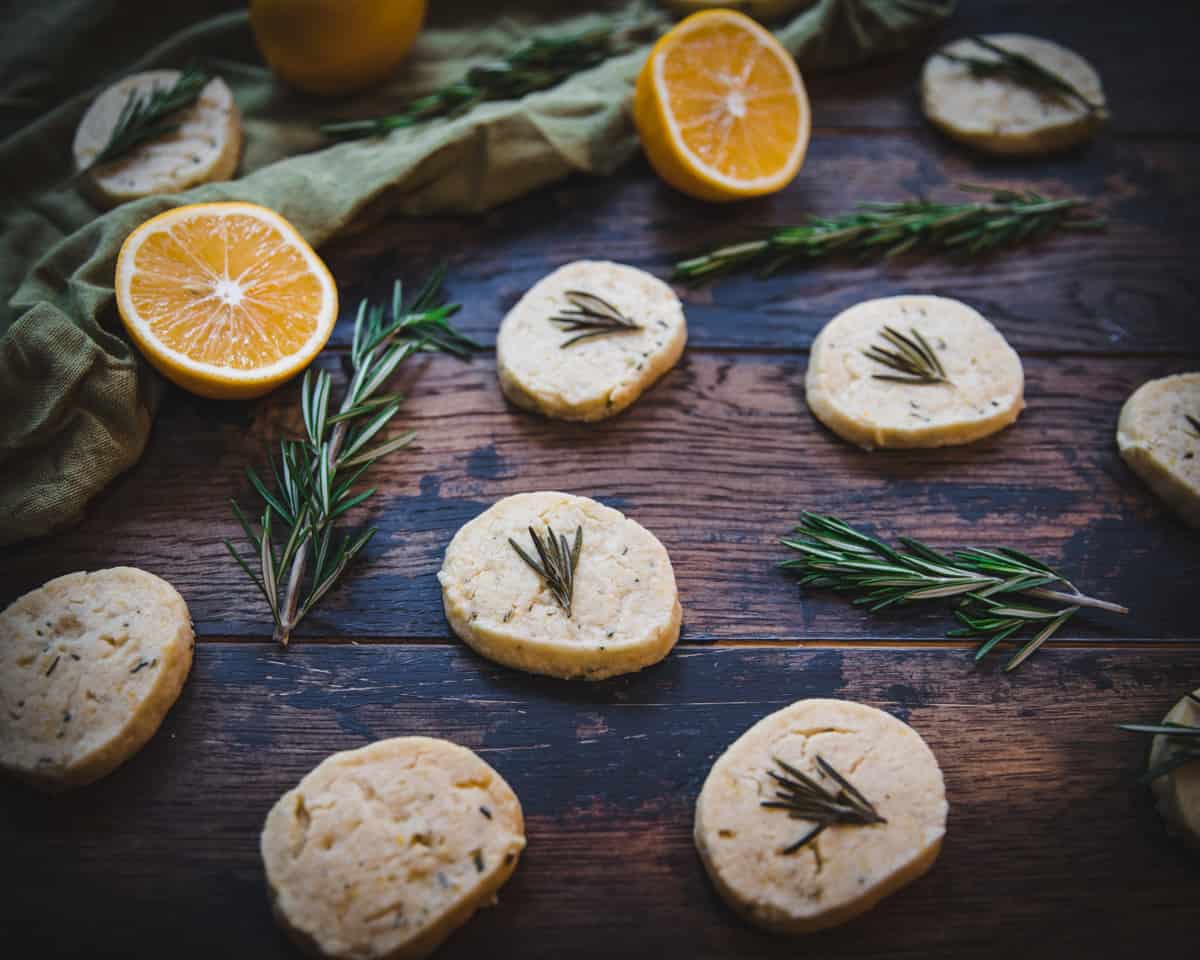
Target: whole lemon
<point>335,46</point>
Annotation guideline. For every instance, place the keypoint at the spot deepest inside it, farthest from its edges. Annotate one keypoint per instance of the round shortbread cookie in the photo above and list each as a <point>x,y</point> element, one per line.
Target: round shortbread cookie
<point>999,115</point>
<point>846,869</point>
<point>986,385</point>
<point>625,611</point>
<point>380,853</point>
<point>1178,792</point>
<point>204,149</point>
<point>1161,445</point>
<point>602,375</point>
<point>90,663</point>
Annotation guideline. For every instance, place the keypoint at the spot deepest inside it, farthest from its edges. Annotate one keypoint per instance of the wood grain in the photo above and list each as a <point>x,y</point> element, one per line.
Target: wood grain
<point>1132,287</point>
<point>717,460</point>
<point>1049,840</point>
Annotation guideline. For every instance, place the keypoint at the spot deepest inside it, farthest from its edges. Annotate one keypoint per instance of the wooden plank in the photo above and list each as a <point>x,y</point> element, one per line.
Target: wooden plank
<point>1132,287</point>
<point>1049,839</point>
<point>717,460</point>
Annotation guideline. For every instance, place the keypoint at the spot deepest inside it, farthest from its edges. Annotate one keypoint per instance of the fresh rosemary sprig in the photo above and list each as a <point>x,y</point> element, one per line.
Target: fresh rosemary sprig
<point>806,799</point>
<point>315,475</point>
<point>1194,423</point>
<point>889,229</point>
<point>558,562</point>
<point>913,358</point>
<point>543,62</point>
<point>1183,739</point>
<point>1022,70</point>
<point>995,585</point>
<point>593,315</point>
<point>147,117</point>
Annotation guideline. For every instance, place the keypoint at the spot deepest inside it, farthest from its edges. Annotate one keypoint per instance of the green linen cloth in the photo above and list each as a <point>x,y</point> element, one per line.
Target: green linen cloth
<point>76,401</point>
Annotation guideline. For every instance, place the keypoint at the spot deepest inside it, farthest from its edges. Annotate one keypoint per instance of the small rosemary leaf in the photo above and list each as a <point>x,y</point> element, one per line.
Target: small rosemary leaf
<point>1164,729</point>
<point>351,503</point>
<point>1172,762</point>
<point>1043,635</point>
<point>364,433</point>
<point>246,567</point>
<point>245,524</point>
<point>370,456</point>
<point>279,508</point>
<point>267,565</point>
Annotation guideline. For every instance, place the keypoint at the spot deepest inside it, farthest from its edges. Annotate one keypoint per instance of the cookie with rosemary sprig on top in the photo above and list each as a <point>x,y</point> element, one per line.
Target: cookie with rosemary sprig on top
<point>818,812</point>
<point>561,585</point>
<point>913,371</point>
<point>1174,769</point>
<point>586,341</point>
<point>1158,435</point>
<point>90,663</point>
<point>161,131</point>
<point>380,853</point>
<point>1008,93</point>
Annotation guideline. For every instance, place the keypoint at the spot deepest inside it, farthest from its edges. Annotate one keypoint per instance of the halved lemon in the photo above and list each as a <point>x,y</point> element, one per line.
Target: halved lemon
<point>721,109</point>
<point>224,299</point>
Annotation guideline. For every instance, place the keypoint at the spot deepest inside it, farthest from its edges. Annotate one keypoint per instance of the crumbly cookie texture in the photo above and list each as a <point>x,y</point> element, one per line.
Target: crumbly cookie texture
<point>204,149</point>
<point>999,115</point>
<point>846,869</point>
<point>1178,792</point>
<point>986,391</point>
<point>1161,445</point>
<point>625,614</point>
<point>380,853</point>
<point>90,663</point>
<point>599,377</point>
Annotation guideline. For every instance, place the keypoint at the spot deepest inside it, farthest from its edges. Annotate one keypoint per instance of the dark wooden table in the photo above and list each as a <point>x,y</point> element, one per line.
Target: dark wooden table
<point>1052,848</point>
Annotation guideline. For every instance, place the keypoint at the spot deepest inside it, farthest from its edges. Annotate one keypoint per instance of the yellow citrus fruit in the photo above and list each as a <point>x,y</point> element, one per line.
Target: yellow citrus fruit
<point>721,109</point>
<point>335,46</point>
<point>224,299</point>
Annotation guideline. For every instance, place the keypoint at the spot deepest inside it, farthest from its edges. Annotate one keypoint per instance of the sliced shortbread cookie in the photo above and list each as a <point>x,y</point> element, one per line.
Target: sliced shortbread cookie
<point>1159,437</point>
<point>874,405</point>
<point>90,663</point>
<point>1178,792</point>
<point>204,149</point>
<point>845,869</point>
<point>384,851</point>
<point>609,364</point>
<point>624,610</point>
<point>998,114</point>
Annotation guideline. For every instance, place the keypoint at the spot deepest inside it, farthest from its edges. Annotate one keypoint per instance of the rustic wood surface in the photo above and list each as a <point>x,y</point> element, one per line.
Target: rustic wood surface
<point>1053,850</point>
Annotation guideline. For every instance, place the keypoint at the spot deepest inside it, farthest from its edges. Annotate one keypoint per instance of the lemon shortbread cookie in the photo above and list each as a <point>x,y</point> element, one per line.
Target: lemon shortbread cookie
<point>624,611</point>
<point>384,851</point>
<point>1178,792</point>
<point>610,363</point>
<point>204,148</point>
<point>998,114</point>
<point>90,663</point>
<point>1159,437</point>
<point>845,869</point>
<point>872,404</point>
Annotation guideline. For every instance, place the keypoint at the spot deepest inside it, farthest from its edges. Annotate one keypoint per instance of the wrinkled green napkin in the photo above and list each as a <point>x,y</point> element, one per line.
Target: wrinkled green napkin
<point>76,402</point>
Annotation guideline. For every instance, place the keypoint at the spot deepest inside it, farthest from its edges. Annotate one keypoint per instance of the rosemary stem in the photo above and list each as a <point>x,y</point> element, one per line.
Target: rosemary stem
<point>287,617</point>
<point>1077,599</point>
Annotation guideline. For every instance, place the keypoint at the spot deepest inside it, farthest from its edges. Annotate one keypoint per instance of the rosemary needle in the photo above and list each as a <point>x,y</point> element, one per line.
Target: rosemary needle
<point>315,475</point>
<point>558,562</point>
<point>995,586</point>
<point>888,229</point>
<point>806,799</point>
<point>913,358</point>
<point>593,315</point>
<point>148,116</point>
<point>1194,423</point>
<point>1182,739</point>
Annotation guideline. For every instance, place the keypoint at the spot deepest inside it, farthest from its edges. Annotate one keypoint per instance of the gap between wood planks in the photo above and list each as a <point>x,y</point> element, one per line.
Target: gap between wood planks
<point>1131,643</point>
